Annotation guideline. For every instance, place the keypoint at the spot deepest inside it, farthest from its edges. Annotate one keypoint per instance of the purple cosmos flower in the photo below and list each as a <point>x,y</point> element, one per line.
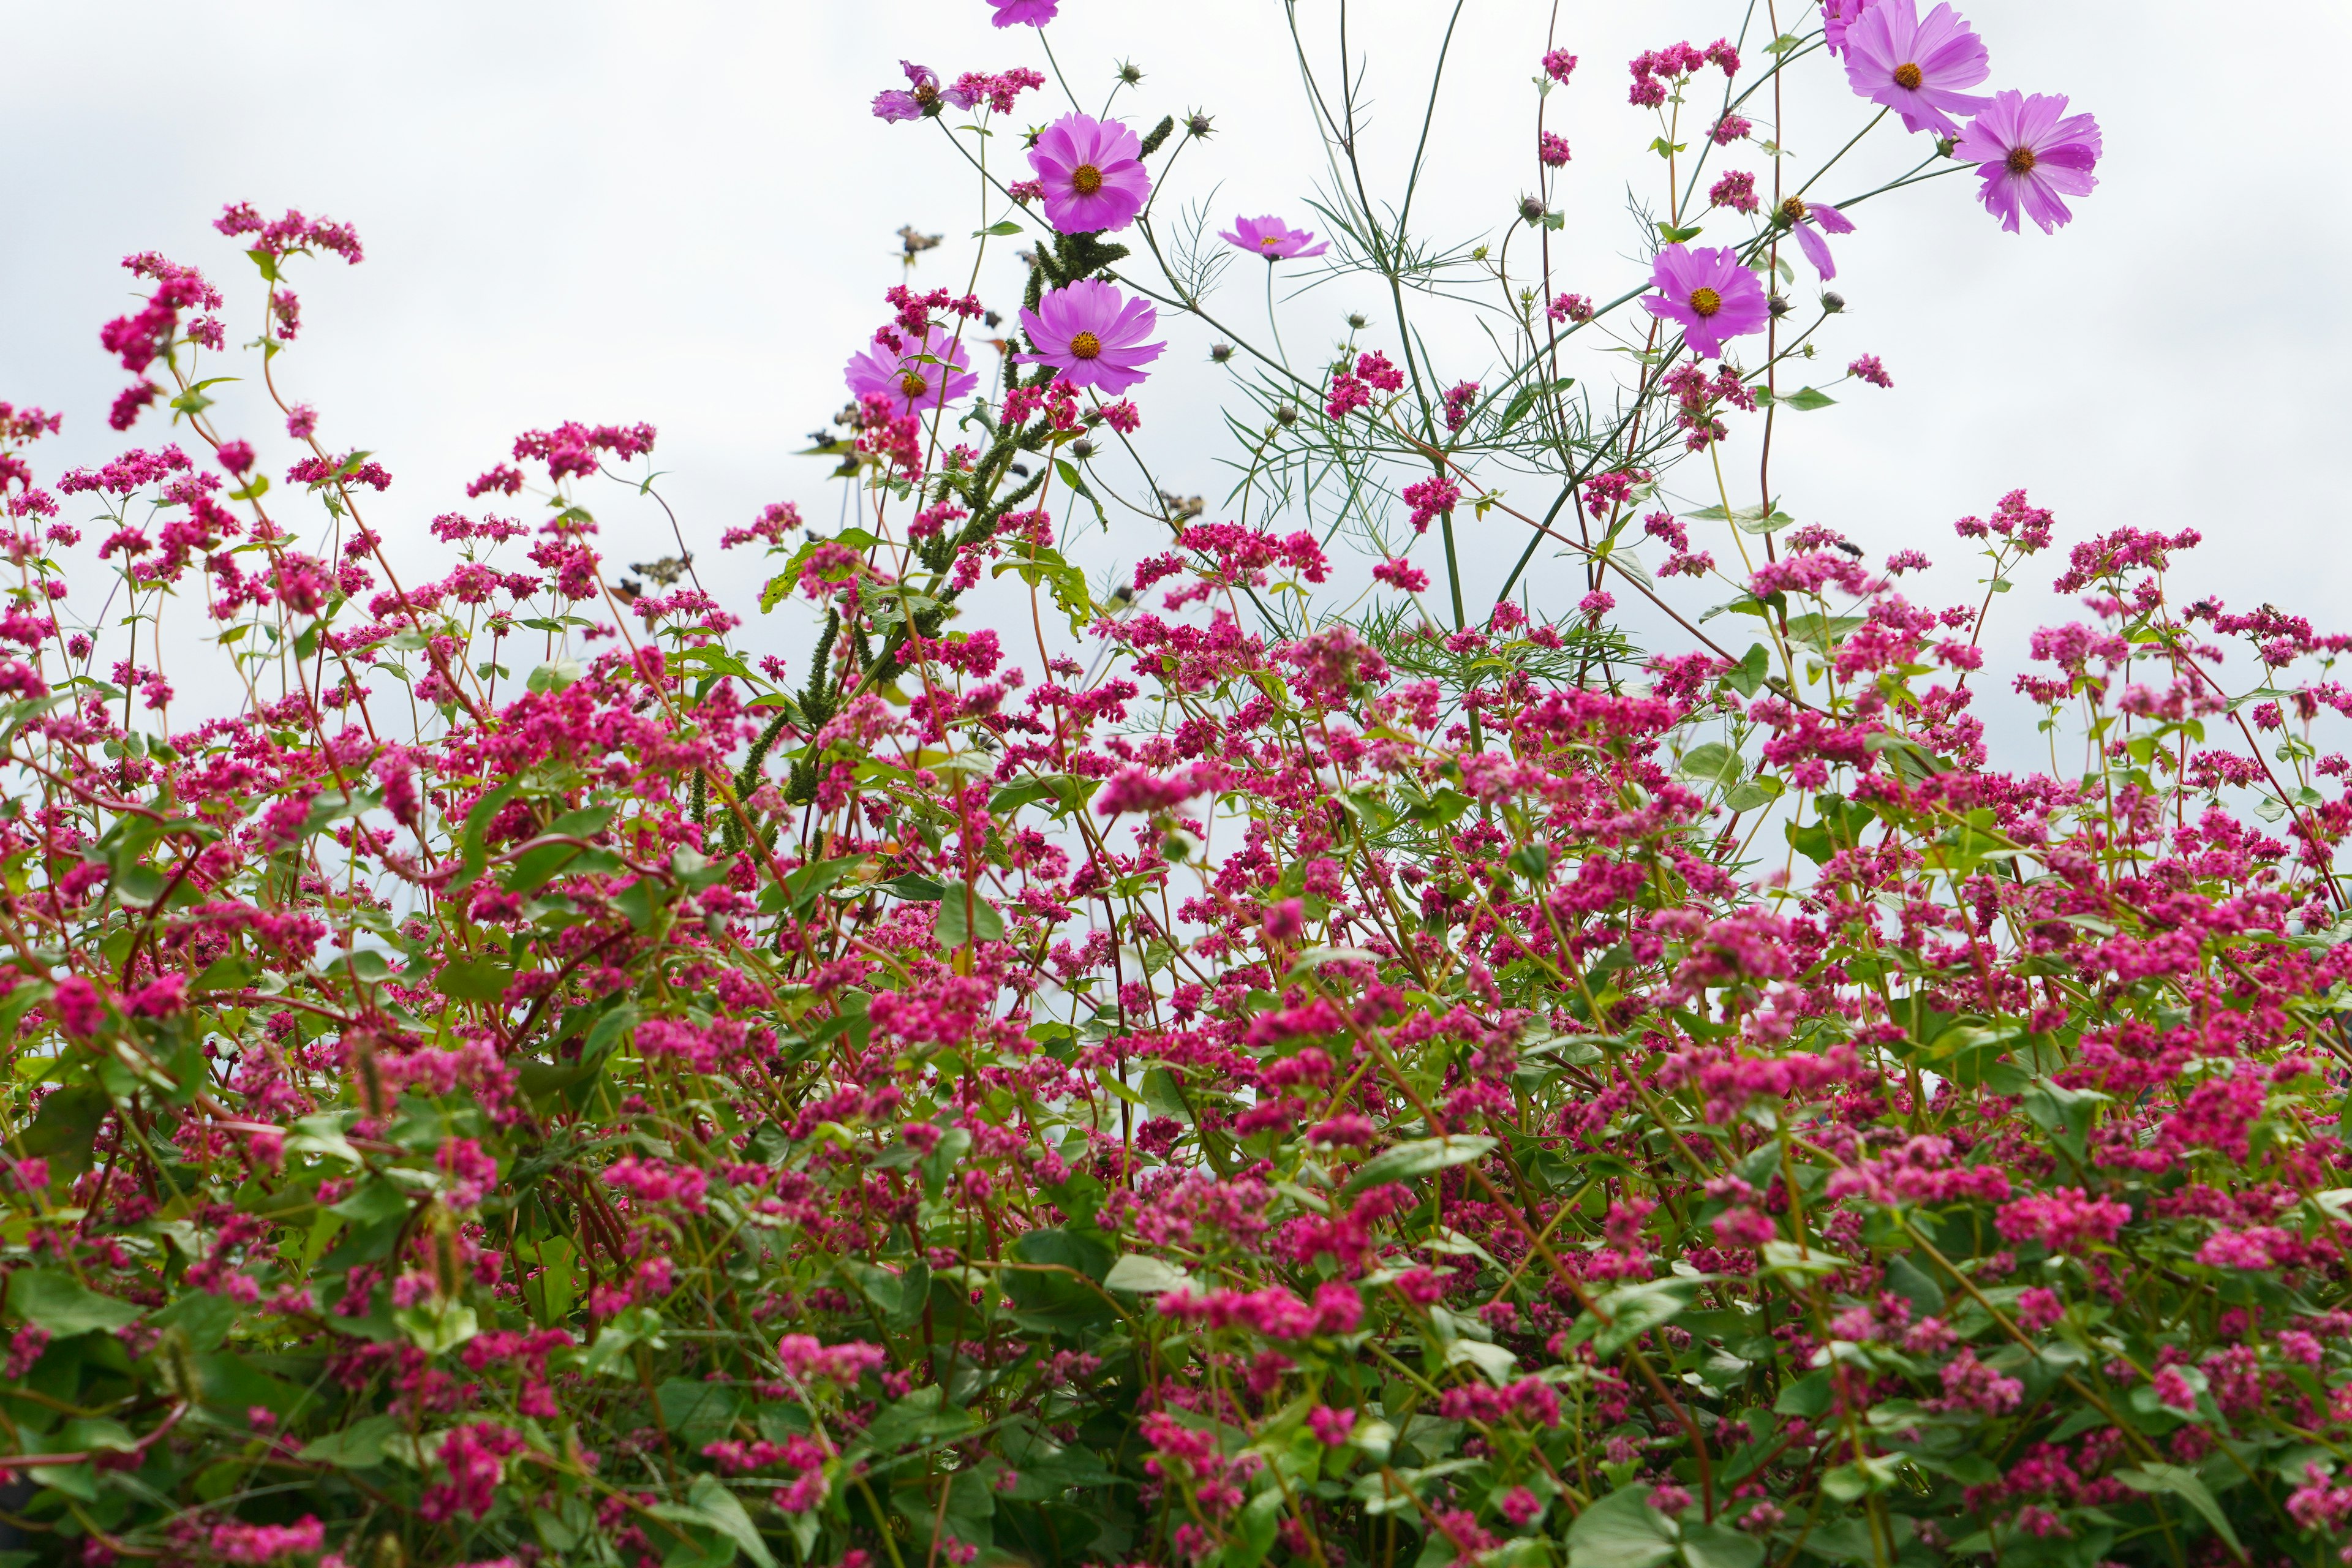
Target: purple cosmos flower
<point>923,95</point>
<point>1093,173</point>
<point>1837,16</point>
<point>2031,152</point>
<point>1025,13</point>
<point>1092,335</point>
<point>1915,68</point>
<point>1809,220</point>
<point>1267,237</point>
<point>1709,293</point>
<point>913,384</point>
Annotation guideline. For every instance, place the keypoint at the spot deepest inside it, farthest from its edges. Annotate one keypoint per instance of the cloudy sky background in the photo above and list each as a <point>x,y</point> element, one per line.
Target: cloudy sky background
<point>684,214</point>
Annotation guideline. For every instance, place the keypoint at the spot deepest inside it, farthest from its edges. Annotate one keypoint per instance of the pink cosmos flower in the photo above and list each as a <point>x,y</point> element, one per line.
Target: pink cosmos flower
<point>1092,170</point>
<point>1092,335</point>
<point>1837,16</point>
<point>1025,13</point>
<point>1917,68</point>
<point>1709,294</point>
<point>1808,220</point>
<point>921,96</point>
<point>912,384</point>
<point>1267,237</point>
<point>2030,152</point>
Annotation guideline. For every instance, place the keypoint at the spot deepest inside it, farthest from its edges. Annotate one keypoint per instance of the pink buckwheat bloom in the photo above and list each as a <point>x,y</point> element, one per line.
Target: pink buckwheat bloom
<point>1092,335</point>
<point>1092,170</point>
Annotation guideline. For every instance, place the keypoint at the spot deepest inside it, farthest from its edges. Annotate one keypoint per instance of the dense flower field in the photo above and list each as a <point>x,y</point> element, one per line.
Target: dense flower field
<point>1273,1060</point>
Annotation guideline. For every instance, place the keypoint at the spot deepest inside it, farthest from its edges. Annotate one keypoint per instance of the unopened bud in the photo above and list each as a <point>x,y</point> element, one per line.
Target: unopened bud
<point>1777,305</point>
<point>1531,210</point>
<point>1082,448</point>
<point>1833,302</point>
<point>1220,353</point>
<point>1284,414</point>
<point>1198,124</point>
<point>1358,322</point>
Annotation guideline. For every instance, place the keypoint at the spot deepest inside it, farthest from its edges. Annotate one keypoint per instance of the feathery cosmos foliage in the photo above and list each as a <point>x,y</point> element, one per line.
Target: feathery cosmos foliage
<point>1313,1068</point>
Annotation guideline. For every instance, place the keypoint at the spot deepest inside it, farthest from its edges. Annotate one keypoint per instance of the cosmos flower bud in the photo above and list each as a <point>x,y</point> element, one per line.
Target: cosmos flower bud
<point>1531,210</point>
<point>1220,353</point>
<point>1833,302</point>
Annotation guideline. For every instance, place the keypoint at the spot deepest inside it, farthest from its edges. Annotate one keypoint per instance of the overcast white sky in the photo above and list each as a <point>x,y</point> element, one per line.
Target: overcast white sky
<point>684,214</point>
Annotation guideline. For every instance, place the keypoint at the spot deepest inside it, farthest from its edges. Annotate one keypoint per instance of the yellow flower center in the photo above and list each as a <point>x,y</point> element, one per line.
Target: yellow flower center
<point>1270,242</point>
<point>912,384</point>
<point>1086,345</point>
<point>2020,160</point>
<point>1908,76</point>
<point>1793,209</point>
<point>1706,301</point>
<point>1085,179</point>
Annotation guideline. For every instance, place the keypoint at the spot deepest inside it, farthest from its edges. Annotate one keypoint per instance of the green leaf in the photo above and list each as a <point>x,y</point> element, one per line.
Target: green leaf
<point>1714,763</point>
<point>67,1125</point>
<point>1804,400</point>
<point>1622,1531</point>
<point>714,1502</point>
<point>476,980</point>
<point>1714,1546</point>
<point>63,1305</point>
<point>1141,1275</point>
<point>919,1417</point>
<point>1407,1161</point>
<point>355,1448</point>
<point>2185,1485</point>
<point>1674,235</point>
<point>1914,1285</point>
<point>998,230</point>
<point>965,917</point>
<point>1529,395</point>
<point>473,849</point>
<point>805,884</point>
<point>1634,1310</point>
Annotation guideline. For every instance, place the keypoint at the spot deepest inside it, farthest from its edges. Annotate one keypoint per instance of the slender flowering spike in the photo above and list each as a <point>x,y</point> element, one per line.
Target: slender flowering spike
<point>1917,66</point>
<point>1270,238</point>
<point>1025,13</point>
<point>2031,153</point>
<point>1709,294</point>
<point>913,384</point>
<point>1092,172</point>
<point>1809,220</point>
<point>1092,335</point>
